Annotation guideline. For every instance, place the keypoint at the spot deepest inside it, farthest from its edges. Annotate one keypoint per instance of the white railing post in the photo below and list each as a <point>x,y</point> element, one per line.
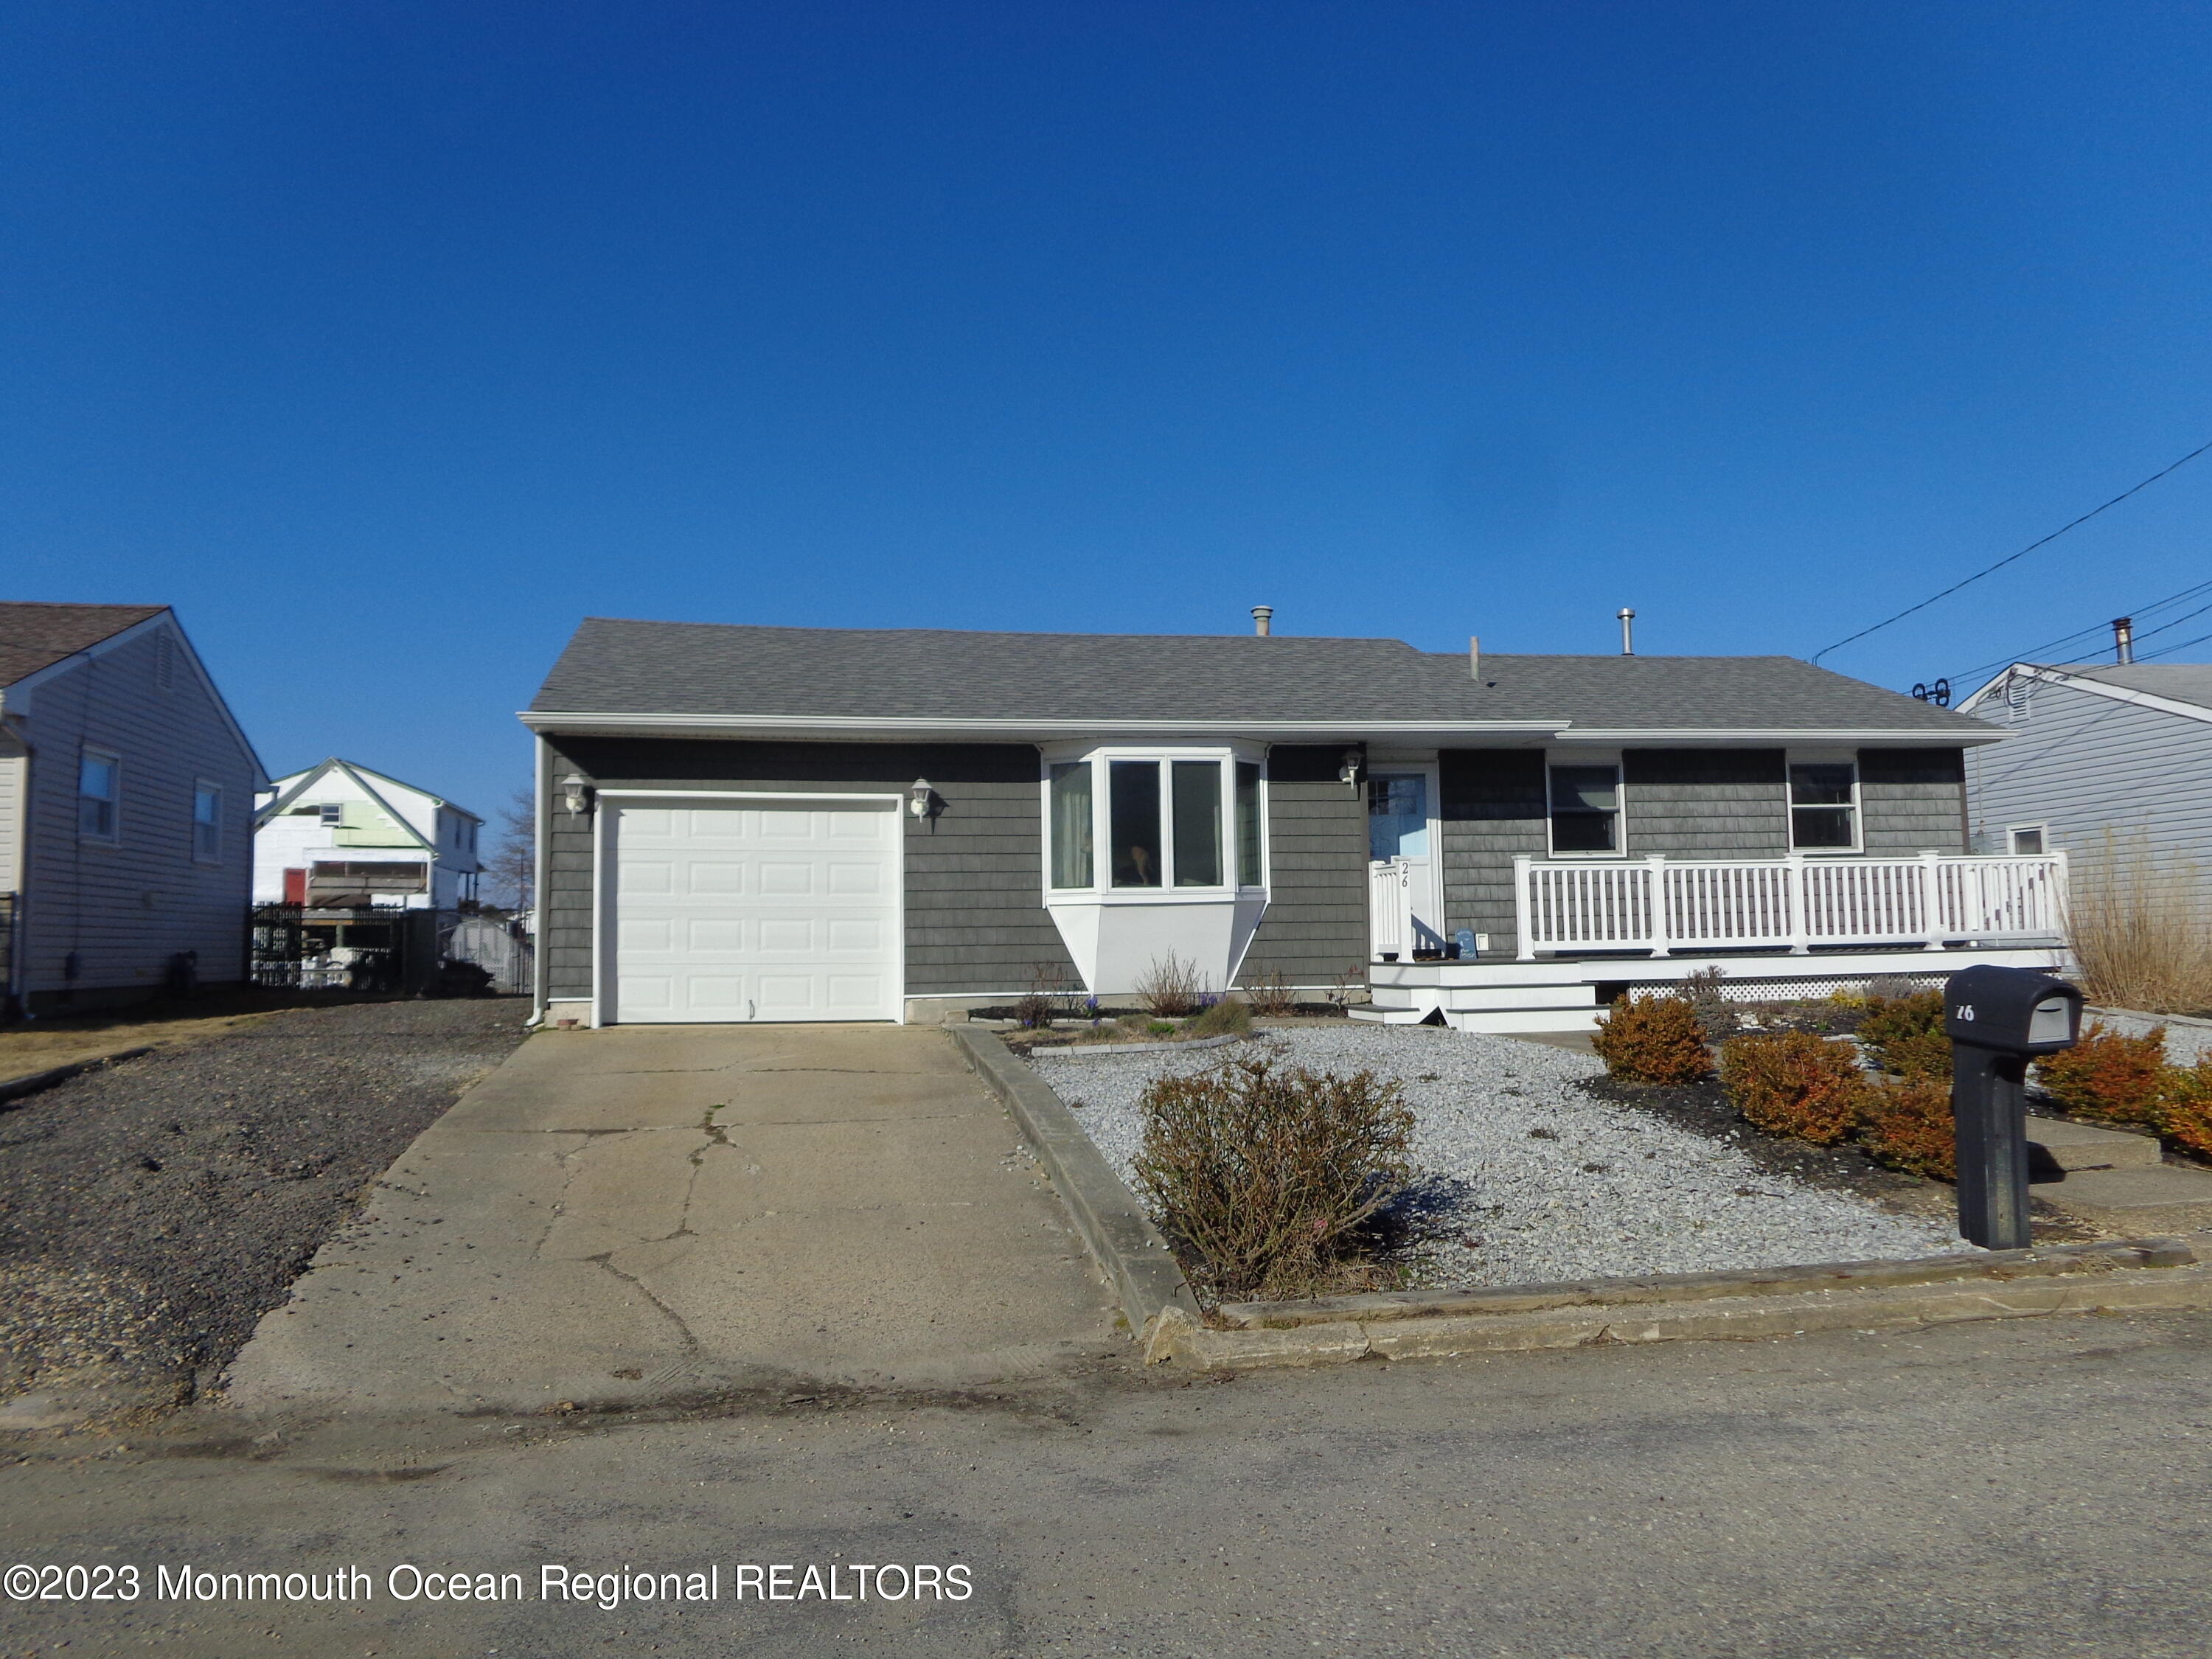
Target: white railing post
<point>1522,904</point>
<point>1932,900</point>
<point>1655,865</point>
<point>1801,911</point>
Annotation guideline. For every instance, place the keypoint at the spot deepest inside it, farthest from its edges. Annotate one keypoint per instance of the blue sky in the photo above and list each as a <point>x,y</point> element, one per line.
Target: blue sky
<point>386,340</point>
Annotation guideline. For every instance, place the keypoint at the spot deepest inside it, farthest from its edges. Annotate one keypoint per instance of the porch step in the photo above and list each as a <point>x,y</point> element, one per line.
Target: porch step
<point>2078,1146</point>
<point>1378,1016</point>
<point>2147,1198</point>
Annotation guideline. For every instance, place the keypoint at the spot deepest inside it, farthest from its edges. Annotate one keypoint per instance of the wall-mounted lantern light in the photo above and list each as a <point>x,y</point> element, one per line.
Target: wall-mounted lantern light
<point>1348,773</point>
<point>919,797</point>
<point>575,795</point>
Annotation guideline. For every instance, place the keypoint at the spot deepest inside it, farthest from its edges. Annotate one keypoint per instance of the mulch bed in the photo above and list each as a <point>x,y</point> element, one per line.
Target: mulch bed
<point>152,1211</point>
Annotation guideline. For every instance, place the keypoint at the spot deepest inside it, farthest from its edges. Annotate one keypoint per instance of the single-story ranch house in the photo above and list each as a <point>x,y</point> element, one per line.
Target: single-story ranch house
<point>780,824</point>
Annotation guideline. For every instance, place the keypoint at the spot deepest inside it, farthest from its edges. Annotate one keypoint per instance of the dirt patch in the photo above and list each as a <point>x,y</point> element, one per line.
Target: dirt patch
<point>151,1212</point>
<point>37,1045</point>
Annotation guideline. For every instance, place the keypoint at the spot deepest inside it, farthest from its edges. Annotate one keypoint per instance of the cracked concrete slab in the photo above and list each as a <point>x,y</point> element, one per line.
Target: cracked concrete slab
<point>616,1216</point>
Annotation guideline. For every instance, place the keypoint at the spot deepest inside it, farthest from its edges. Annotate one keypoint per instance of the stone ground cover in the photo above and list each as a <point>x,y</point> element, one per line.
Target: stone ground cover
<point>1530,1175</point>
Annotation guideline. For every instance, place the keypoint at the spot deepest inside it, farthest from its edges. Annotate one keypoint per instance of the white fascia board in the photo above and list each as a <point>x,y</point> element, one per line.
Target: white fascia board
<point>2188,711</point>
<point>1781,738</point>
<point>583,723</point>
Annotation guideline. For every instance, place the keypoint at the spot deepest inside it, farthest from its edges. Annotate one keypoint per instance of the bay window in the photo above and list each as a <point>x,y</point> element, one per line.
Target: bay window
<point>1187,821</point>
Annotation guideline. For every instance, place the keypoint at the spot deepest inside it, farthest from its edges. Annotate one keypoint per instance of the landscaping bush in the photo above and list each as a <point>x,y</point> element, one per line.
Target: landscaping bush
<point>2184,1109</point>
<point>1264,1179</point>
<point>1794,1083</point>
<point>1905,1034</point>
<point>2136,922</point>
<point>2106,1076</point>
<point>1272,996</point>
<point>1908,1126</point>
<point>1653,1039</point>
<point>1170,988</point>
<point>1717,1017</point>
<point>1225,1018</point>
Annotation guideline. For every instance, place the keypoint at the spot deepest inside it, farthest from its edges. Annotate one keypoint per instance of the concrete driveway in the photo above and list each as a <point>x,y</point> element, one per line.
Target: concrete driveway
<point>660,1211</point>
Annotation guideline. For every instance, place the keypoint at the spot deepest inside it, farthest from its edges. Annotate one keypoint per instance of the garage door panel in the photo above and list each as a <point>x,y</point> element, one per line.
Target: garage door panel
<point>737,913</point>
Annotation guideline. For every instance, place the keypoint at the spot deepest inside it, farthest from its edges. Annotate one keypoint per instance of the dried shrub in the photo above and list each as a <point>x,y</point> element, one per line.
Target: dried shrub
<point>1171,988</point>
<point>1908,1126</point>
<point>1717,1017</point>
<point>1653,1039</point>
<point>1049,996</point>
<point>1264,1178</point>
<point>2137,924</point>
<point>1905,1034</point>
<point>2184,1109</point>
<point>2106,1076</point>
<point>1272,996</point>
<point>1225,1018</point>
<point>1794,1083</point>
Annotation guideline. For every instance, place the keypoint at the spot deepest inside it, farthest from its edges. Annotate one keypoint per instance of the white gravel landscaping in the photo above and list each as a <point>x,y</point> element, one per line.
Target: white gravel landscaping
<point>1602,1192</point>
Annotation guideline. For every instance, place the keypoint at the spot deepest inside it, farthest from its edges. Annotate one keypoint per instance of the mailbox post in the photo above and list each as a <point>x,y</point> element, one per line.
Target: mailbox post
<point>1997,1019</point>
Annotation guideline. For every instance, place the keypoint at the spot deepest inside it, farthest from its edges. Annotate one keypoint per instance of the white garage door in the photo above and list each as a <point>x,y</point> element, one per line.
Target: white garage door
<point>729,912</point>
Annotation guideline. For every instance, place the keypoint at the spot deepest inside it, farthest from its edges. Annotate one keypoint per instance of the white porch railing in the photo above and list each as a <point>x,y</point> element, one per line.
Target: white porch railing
<point>1659,904</point>
<point>1390,909</point>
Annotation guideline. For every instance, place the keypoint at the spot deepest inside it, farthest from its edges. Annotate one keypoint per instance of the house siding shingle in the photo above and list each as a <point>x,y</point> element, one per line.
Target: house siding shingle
<point>1315,926</point>
<point>1707,803</point>
<point>1913,801</point>
<point>1492,807</point>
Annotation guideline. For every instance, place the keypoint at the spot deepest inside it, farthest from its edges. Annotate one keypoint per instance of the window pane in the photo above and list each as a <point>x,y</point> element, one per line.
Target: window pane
<point>2027,842</point>
<point>95,789</point>
<point>1198,823</point>
<point>1398,816</point>
<point>1821,785</point>
<point>1585,809</point>
<point>1249,865</point>
<point>96,778</point>
<point>1071,824</point>
<point>1133,805</point>
<point>1820,826</point>
<point>207,823</point>
<point>1820,801</point>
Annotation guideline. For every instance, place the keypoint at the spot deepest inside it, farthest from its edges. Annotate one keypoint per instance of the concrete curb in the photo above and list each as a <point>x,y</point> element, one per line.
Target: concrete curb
<point>31,1082</point>
<point>2165,1274</point>
<point>1094,1050</point>
<point>1160,1308</point>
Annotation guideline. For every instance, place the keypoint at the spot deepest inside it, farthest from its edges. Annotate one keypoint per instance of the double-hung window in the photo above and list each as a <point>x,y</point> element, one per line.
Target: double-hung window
<point>1823,806</point>
<point>98,795</point>
<point>207,822</point>
<point>1585,809</point>
<point>1159,821</point>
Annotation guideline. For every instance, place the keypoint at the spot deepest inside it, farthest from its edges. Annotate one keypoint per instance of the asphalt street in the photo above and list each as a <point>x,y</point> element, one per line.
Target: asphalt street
<point>2029,1486</point>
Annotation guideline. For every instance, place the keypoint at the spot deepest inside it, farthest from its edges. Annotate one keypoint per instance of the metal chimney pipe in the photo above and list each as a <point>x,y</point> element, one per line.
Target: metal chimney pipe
<point>1627,631</point>
<point>2123,639</point>
<point>1262,616</point>
<point>1474,655</point>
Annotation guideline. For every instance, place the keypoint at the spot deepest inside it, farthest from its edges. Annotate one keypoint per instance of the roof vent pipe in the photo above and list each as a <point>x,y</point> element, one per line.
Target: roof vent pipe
<point>1262,617</point>
<point>1627,631</point>
<point>2123,639</point>
<point>1474,655</point>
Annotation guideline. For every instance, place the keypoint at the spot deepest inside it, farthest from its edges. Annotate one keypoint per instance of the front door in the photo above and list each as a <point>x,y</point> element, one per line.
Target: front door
<point>1401,840</point>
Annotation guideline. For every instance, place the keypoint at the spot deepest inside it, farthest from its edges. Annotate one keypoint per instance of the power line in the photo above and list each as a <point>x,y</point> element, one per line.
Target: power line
<point>2009,557</point>
<point>2034,653</point>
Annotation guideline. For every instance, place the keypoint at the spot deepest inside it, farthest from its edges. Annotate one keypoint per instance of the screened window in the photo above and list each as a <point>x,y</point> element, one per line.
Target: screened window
<point>1071,824</point>
<point>1248,863</point>
<point>207,823</point>
<point>1132,808</point>
<point>1586,809</point>
<point>1197,823</point>
<point>2027,840</point>
<point>1823,813</point>
<point>99,782</point>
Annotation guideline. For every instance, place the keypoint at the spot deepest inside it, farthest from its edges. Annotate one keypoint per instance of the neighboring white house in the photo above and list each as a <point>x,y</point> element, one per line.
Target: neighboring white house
<point>338,835</point>
<point>124,784</point>
<point>2113,751</point>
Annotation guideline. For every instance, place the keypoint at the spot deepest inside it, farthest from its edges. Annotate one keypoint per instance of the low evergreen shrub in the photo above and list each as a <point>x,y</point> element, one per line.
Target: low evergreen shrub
<point>1794,1083</point>
<point>1653,1039</point>
<point>2108,1077</point>
<point>1904,1034</point>
<point>1908,1126</point>
<point>2184,1109</point>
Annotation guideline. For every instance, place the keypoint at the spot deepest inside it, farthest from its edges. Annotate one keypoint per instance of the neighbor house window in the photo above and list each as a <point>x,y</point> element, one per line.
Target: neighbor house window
<point>207,822</point>
<point>1071,824</point>
<point>99,784</point>
<point>2027,840</point>
<point>1586,809</point>
<point>1823,806</point>
<point>332,814</point>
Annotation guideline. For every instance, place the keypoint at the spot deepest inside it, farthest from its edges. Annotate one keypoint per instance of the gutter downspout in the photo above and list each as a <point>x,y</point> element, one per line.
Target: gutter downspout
<point>539,813</point>
<point>11,879</point>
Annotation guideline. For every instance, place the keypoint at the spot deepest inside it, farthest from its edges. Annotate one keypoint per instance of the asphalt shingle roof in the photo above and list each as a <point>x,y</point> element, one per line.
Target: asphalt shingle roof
<point>618,666</point>
<point>34,635</point>
<point>2183,682</point>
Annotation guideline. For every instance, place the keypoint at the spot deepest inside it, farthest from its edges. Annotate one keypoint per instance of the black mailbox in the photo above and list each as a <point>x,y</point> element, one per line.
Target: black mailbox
<point>1997,1019</point>
<point>2012,1010</point>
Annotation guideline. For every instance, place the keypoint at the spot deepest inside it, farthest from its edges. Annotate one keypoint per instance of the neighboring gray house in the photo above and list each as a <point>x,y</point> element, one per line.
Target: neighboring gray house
<point>766,823</point>
<point>126,809</point>
<point>2115,752</point>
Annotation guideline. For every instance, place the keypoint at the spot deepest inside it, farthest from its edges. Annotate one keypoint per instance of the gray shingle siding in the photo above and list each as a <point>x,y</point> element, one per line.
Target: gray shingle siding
<point>1707,803</point>
<point>1315,926</point>
<point>976,923</point>
<point>1913,801</point>
<point>1492,807</point>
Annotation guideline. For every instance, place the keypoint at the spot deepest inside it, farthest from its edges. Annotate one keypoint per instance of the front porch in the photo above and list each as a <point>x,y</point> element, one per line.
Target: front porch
<point>1585,932</point>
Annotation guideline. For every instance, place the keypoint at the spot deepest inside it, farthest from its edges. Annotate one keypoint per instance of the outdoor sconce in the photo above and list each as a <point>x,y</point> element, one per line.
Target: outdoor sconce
<point>575,795</point>
<point>919,797</point>
<point>1348,773</point>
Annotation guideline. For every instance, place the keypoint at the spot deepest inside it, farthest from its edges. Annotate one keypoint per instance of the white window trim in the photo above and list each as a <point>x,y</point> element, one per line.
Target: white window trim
<point>114,837</point>
<point>1825,757</point>
<point>1592,758</point>
<point>2012,830</point>
<point>210,787</point>
<point>1100,757</point>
